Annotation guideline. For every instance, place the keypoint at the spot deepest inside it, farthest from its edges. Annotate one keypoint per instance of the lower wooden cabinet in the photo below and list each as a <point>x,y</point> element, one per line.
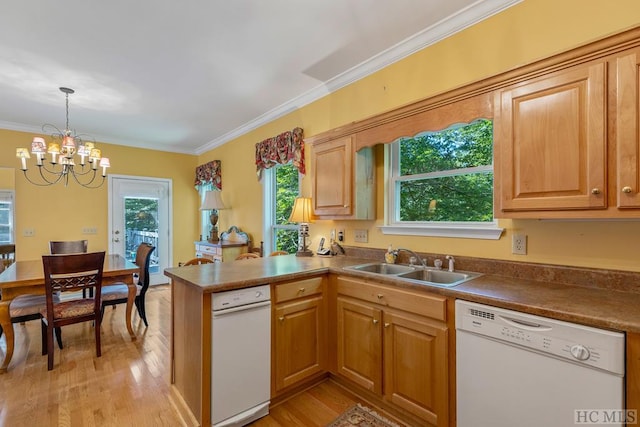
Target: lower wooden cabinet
<point>415,365</point>
<point>397,354</point>
<point>359,346</point>
<point>299,332</point>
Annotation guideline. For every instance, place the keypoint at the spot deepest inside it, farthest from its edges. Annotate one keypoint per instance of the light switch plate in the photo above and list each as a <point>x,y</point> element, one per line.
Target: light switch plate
<point>360,236</point>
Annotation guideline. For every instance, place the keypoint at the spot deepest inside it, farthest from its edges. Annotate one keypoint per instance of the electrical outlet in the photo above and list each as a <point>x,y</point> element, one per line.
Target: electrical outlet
<point>341,235</point>
<point>28,232</point>
<point>360,236</point>
<point>89,230</point>
<point>333,234</point>
<point>519,244</point>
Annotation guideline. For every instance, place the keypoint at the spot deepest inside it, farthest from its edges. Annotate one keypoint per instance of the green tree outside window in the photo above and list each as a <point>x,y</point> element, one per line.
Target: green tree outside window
<point>446,176</point>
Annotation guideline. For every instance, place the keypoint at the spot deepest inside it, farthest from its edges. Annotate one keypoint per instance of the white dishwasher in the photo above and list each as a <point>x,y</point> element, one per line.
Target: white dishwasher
<point>240,356</point>
<point>516,369</point>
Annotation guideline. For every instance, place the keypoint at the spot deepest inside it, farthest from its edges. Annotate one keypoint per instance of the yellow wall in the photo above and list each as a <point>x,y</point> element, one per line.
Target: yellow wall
<point>7,179</point>
<point>60,213</point>
<point>526,32</point>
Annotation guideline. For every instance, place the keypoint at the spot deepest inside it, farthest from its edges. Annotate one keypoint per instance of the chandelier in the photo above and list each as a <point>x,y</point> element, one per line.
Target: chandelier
<point>62,165</point>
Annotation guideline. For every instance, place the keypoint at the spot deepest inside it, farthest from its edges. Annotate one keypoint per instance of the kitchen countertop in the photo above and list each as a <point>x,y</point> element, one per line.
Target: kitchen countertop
<point>592,306</point>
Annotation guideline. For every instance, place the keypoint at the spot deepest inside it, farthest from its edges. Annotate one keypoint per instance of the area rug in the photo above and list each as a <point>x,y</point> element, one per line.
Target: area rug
<point>361,416</point>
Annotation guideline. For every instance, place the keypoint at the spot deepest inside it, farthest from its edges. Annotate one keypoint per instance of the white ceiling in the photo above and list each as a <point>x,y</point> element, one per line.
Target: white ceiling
<point>188,76</point>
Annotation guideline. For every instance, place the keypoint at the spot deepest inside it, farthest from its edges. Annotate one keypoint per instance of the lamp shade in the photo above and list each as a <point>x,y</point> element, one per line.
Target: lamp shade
<point>301,211</point>
<point>38,145</point>
<point>212,200</point>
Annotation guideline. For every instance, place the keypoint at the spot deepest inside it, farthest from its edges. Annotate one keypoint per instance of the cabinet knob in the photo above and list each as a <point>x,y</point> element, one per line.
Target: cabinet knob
<point>281,318</point>
<point>626,190</point>
<point>595,191</point>
<point>375,321</point>
<point>301,290</point>
<point>380,296</point>
<point>386,325</point>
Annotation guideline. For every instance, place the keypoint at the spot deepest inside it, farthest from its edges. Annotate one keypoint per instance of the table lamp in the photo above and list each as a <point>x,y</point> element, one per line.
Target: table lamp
<point>302,214</point>
<point>213,201</point>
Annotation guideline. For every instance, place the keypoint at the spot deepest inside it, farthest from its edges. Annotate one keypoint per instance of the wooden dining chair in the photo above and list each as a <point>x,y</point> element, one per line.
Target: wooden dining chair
<point>7,254</point>
<point>119,293</point>
<point>197,261</point>
<point>24,308</point>
<point>70,247</point>
<point>247,255</point>
<point>71,273</point>
<point>278,253</point>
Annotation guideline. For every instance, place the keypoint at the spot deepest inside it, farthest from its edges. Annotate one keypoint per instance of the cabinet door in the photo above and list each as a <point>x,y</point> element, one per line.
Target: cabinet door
<point>415,365</point>
<point>550,142</point>
<point>627,130</point>
<point>359,344</point>
<point>331,188</point>
<point>299,341</point>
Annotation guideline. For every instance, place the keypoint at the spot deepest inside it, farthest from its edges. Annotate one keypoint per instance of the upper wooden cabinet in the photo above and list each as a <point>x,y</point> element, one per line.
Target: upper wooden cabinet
<point>627,132</point>
<point>566,143</point>
<point>342,180</point>
<point>550,141</point>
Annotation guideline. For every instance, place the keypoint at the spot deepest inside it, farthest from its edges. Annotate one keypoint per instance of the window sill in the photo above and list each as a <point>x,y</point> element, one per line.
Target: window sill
<point>489,232</point>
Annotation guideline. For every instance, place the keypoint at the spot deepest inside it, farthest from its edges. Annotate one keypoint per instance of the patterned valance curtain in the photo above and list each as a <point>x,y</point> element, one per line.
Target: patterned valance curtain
<point>209,173</point>
<point>282,149</point>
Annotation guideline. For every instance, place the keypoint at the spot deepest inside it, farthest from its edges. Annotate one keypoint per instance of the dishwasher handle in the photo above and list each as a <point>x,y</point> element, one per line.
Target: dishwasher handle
<point>525,324</point>
<point>253,306</point>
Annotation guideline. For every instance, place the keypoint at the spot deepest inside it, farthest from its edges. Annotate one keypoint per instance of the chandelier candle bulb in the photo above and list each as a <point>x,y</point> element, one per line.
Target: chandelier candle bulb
<point>23,155</point>
<point>104,164</point>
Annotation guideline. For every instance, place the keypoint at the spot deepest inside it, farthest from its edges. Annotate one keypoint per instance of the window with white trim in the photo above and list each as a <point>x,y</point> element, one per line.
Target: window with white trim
<point>441,183</point>
<point>7,207</point>
<point>281,187</point>
<point>205,214</point>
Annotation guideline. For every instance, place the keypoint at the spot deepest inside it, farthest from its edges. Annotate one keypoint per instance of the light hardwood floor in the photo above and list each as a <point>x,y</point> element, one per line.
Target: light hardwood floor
<point>129,384</point>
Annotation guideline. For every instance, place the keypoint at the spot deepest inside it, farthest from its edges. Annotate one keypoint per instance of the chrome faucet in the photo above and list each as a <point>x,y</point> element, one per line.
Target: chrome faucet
<point>336,248</point>
<point>451,262</point>
<point>423,262</point>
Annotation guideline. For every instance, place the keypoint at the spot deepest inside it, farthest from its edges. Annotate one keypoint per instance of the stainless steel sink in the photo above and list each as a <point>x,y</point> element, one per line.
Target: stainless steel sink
<point>425,276</point>
<point>441,277</point>
<point>382,268</point>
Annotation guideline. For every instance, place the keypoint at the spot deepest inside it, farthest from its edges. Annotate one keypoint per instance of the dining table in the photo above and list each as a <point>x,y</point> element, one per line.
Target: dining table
<point>27,277</point>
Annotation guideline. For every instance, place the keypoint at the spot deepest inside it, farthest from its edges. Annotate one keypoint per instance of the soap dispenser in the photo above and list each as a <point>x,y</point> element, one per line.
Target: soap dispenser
<point>390,256</point>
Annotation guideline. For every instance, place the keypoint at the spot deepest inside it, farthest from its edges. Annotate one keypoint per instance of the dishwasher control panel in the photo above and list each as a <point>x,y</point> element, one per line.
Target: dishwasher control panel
<point>239,297</point>
<point>578,343</point>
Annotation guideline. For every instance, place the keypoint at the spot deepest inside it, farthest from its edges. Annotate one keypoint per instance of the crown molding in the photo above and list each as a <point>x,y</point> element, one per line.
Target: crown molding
<point>465,18</point>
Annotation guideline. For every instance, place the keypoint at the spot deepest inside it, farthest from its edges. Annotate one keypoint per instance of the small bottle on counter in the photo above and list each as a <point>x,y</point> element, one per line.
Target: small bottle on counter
<point>390,256</point>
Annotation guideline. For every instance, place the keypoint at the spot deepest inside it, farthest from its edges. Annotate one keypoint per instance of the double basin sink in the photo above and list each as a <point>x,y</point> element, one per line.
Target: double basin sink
<point>416,274</point>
